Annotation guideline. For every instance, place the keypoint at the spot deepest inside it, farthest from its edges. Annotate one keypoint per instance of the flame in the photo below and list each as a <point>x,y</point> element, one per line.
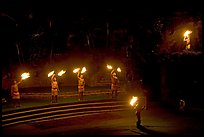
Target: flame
<point>109,66</point>
<point>83,70</point>
<point>118,69</point>
<point>61,72</point>
<point>187,33</point>
<point>25,75</point>
<point>51,73</point>
<point>133,100</point>
<point>76,70</point>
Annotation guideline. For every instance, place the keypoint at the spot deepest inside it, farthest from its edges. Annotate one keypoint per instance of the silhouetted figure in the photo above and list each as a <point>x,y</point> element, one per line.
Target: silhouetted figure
<point>138,107</point>
<point>182,105</point>
<point>114,84</point>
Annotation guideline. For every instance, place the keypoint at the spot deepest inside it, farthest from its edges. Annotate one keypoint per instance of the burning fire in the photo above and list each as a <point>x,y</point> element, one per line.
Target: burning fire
<point>51,73</point>
<point>186,34</point>
<point>133,100</point>
<point>25,75</point>
<point>61,72</point>
<point>118,69</point>
<point>109,66</point>
<point>76,70</point>
<point>83,70</point>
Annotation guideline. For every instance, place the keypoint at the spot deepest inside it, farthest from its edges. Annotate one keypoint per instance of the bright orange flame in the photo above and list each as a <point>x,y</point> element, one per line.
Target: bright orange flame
<point>51,73</point>
<point>187,33</point>
<point>25,75</point>
<point>83,70</point>
<point>118,69</point>
<point>76,70</point>
<point>61,72</point>
<point>133,100</point>
<point>109,66</point>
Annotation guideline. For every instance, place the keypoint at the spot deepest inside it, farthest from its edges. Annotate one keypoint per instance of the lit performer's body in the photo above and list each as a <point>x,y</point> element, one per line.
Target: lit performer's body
<point>55,88</point>
<point>81,85</point>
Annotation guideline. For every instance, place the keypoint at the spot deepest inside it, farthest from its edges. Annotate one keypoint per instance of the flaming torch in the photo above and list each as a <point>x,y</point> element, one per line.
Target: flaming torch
<point>118,69</point>
<point>109,66</point>
<point>61,72</point>
<point>51,73</point>
<point>187,33</point>
<point>76,70</point>
<point>25,75</point>
<point>83,70</point>
<point>133,101</point>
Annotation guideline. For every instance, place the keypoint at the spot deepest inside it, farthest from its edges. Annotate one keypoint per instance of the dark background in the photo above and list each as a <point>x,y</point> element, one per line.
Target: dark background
<point>34,30</point>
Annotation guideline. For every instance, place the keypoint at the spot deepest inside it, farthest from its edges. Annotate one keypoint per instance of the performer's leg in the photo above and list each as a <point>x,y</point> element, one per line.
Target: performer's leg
<point>56,98</point>
<point>79,96</point>
<point>14,102</point>
<point>112,93</point>
<point>19,102</point>
<point>138,119</point>
<point>116,93</point>
<point>52,99</point>
<point>82,95</point>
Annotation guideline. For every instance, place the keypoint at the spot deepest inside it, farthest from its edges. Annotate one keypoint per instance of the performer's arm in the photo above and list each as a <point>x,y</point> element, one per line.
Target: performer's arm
<point>19,82</point>
<point>52,76</point>
<point>112,71</point>
<point>78,74</point>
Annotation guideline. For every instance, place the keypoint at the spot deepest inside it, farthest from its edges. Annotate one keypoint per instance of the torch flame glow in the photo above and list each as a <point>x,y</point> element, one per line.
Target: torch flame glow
<point>133,100</point>
<point>76,70</point>
<point>25,76</point>
<point>83,70</point>
<point>187,33</point>
<point>109,66</point>
<point>51,73</point>
<point>61,72</point>
<point>118,69</point>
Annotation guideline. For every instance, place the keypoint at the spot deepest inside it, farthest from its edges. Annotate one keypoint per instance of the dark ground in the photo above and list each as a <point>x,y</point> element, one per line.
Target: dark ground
<point>158,119</point>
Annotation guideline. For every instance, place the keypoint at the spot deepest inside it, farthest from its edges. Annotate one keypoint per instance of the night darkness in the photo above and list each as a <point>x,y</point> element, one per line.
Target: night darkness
<point>145,39</point>
<point>38,27</point>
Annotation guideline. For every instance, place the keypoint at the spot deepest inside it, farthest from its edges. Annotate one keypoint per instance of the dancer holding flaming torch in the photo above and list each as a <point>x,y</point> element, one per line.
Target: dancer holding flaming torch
<point>114,80</point>
<point>15,94</point>
<point>55,88</point>
<point>54,84</point>
<point>138,107</point>
<point>81,82</point>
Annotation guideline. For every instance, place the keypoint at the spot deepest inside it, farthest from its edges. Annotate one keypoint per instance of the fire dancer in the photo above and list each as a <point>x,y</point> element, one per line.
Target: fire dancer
<point>138,107</point>
<point>15,93</point>
<point>187,39</point>
<point>115,84</point>
<point>55,89</point>
<point>81,85</point>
